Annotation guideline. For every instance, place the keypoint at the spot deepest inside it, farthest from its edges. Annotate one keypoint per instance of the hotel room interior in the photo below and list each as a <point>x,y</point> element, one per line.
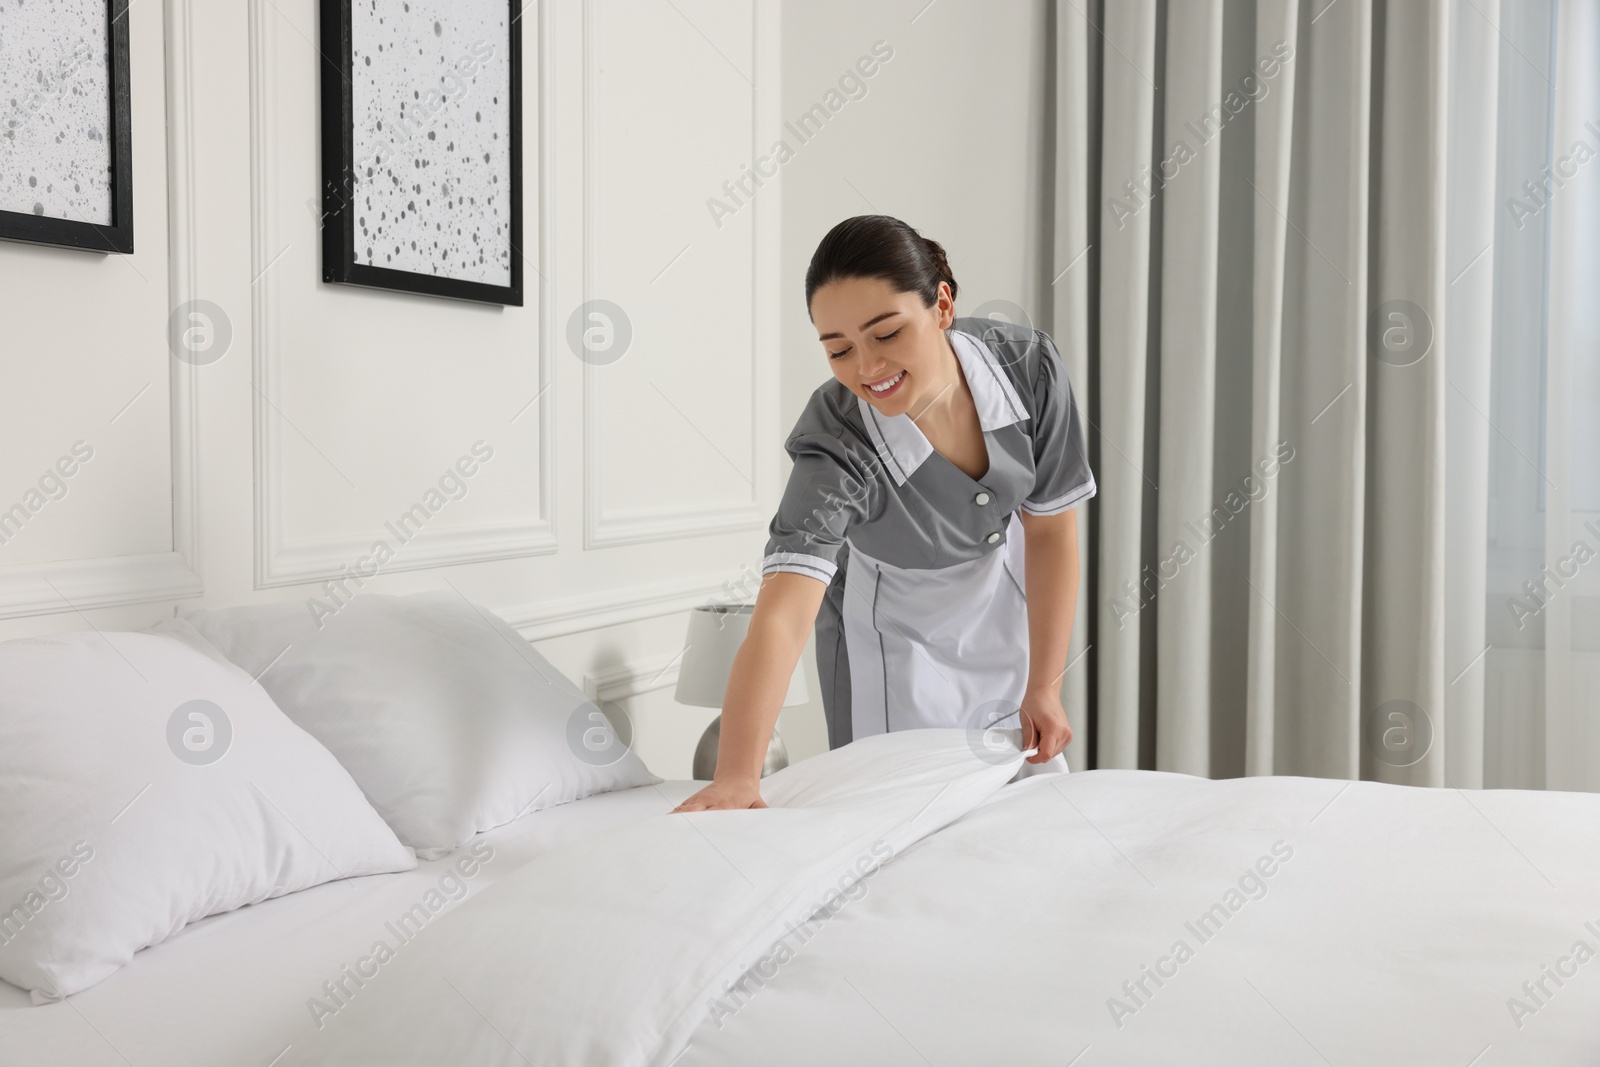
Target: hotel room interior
<point>393,407</point>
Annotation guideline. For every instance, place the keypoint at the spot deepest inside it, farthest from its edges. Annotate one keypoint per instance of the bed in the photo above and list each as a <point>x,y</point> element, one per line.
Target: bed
<point>905,903</point>
<point>232,989</point>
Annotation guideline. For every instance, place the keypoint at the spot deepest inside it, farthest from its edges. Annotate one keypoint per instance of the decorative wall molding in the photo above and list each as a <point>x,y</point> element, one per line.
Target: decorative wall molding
<point>281,563</point>
<point>428,548</point>
<point>603,528</point>
<point>612,607</point>
<point>668,523</point>
<point>633,678</point>
<point>112,581</point>
<point>106,582</point>
<point>183,283</point>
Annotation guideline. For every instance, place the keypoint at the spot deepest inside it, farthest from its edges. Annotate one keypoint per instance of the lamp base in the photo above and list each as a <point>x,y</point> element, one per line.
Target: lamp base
<point>705,753</point>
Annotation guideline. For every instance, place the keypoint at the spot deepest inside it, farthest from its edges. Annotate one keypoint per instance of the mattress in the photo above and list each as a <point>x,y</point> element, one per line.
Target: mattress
<point>1099,919</point>
<point>903,903</point>
<point>227,991</point>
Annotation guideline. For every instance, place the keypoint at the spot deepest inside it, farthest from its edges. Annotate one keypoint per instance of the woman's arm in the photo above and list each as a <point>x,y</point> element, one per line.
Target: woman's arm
<point>1051,562</point>
<point>786,607</point>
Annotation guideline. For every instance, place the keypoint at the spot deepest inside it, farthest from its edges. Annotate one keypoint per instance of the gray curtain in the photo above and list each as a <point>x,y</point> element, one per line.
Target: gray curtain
<point>1272,280</point>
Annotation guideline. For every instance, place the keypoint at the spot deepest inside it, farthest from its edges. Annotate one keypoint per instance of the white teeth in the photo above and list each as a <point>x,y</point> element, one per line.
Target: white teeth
<point>890,384</point>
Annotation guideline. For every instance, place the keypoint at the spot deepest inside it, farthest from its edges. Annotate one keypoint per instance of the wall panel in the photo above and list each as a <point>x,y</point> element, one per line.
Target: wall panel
<point>673,429</point>
<point>365,399</point>
<point>87,373</point>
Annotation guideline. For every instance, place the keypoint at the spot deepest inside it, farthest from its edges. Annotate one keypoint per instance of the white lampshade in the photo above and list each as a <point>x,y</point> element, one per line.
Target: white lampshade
<point>715,634</point>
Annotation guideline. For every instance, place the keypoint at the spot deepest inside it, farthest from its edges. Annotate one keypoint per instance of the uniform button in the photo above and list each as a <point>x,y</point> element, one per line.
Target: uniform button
<point>982,498</point>
<point>993,538</point>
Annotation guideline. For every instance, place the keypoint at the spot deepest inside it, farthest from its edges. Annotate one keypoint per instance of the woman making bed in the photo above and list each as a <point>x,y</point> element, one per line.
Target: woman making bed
<point>927,530</point>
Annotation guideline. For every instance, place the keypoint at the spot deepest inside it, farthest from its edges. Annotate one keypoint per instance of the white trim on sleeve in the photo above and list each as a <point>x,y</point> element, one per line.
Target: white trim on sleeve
<point>800,563</point>
<point>1061,503</point>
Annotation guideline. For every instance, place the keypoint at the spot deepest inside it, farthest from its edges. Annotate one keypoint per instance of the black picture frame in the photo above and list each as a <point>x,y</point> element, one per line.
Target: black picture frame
<point>91,236</point>
<point>339,179</point>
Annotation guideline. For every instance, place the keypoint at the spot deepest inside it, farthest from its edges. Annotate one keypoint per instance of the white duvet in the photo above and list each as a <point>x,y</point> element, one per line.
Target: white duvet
<point>900,904</point>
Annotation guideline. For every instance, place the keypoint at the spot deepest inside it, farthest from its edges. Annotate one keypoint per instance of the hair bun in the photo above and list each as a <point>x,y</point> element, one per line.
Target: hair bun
<point>880,246</point>
<point>941,263</point>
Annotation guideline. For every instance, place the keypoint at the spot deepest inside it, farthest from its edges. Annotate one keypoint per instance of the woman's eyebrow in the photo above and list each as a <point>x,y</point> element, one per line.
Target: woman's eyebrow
<point>865,325</point>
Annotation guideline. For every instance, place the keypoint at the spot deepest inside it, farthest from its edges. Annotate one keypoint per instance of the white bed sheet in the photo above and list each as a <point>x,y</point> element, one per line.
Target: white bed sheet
<point>1325,922</point>
<point>604,953</point>
<point>1400,931</point>
<point>1405,928</point>
<point>229,990</point>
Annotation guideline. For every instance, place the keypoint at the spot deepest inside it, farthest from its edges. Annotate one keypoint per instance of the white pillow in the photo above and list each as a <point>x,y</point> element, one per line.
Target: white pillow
<point>144,785</point>
<point>447,718</point>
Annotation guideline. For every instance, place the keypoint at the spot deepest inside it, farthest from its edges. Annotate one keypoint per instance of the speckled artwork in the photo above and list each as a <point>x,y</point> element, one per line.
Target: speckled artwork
<point>55,108</point>
<point>432,119</point>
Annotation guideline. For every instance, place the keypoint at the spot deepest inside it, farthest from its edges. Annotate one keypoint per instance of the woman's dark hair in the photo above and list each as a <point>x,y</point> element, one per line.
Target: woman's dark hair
<point>880,246</point>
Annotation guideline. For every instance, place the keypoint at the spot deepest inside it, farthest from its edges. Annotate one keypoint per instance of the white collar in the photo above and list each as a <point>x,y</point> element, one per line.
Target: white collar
<point>900,441</point>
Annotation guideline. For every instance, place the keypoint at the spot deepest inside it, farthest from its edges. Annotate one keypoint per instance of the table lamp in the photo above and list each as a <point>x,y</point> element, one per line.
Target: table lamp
<point>715,634</point>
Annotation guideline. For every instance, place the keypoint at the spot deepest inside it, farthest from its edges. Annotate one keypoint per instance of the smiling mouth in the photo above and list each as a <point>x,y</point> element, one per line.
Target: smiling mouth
<point>887,385</point>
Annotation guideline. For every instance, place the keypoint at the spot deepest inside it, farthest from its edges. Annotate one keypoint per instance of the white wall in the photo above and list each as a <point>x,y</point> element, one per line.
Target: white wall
<point>626,493</point>
<point>949,136</point>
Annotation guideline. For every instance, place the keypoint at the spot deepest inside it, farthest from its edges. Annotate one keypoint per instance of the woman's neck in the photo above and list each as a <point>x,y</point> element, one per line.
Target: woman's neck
<point>950,394</point>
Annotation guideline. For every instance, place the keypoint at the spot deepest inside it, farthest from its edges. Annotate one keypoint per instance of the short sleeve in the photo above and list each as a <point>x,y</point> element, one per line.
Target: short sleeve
<point>1062,478</point>
<point>827,493</point>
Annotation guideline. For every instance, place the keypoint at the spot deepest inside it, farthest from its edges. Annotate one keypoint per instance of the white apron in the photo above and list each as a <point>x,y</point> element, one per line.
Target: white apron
<point>925,621</point>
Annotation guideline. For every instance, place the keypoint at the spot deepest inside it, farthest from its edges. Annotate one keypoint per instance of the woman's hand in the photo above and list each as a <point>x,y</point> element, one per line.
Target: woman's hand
<point>721,795</point>
<point>1044,725</point>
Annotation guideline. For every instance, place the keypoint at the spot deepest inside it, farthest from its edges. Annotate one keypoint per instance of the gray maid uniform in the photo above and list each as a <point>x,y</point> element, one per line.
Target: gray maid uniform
<point>925,620</point>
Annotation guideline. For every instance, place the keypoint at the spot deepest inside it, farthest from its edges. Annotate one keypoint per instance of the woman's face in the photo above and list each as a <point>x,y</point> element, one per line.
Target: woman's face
<point>875,336</point>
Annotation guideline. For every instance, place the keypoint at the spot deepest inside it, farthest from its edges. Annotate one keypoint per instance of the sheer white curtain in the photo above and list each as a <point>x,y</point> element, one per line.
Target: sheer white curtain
<point>1543,676</point>
<point>1313,342</point>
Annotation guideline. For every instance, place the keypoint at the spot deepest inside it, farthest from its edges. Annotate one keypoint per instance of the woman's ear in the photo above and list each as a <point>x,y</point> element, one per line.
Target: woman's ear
<point>945,306</point>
